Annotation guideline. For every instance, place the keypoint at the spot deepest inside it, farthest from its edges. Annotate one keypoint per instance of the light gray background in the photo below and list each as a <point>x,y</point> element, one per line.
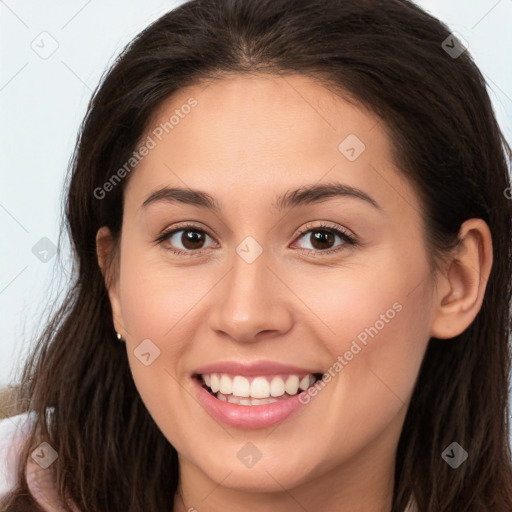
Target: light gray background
<point>43,100</point>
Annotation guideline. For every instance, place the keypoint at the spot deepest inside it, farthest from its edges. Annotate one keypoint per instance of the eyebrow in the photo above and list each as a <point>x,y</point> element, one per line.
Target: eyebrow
<point>304,195</point>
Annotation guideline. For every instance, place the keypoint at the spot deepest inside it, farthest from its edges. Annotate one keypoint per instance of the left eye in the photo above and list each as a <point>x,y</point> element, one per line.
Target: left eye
<point>321,236</point>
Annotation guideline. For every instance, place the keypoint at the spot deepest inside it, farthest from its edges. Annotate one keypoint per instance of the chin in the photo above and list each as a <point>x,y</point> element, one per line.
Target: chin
<point>262,477</point>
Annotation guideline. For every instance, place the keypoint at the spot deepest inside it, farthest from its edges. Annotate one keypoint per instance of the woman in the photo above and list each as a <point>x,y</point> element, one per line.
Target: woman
<point>293,243</point>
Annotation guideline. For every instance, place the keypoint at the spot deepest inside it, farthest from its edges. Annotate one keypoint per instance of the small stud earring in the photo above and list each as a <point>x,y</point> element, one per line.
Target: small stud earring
<point>119,337</point>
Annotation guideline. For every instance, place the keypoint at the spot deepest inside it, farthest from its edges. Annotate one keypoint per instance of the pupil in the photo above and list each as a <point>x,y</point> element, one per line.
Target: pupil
<point>321,236</point>
<point>192,237</point>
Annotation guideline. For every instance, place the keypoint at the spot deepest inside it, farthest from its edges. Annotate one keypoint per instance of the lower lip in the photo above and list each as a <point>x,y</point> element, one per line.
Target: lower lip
<point>247,416</point>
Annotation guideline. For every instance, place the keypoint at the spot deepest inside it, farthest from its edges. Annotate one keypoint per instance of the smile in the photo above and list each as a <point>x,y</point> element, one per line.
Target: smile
<point>252,396</point>
<point>256,390</point>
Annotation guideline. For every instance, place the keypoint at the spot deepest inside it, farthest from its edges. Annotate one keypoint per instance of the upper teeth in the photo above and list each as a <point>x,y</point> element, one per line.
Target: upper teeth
<point>257,387</point>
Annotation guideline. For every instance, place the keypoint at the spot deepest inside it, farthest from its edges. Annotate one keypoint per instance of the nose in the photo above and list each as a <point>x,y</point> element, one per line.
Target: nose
<point>252,301</point>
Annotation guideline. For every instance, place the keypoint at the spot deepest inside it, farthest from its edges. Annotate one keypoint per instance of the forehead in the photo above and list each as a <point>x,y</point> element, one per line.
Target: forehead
<point>280,112</point>
<point>261,134</point>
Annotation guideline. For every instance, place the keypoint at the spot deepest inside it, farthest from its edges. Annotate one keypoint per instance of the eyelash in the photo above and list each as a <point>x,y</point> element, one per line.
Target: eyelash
<point>338,230</point>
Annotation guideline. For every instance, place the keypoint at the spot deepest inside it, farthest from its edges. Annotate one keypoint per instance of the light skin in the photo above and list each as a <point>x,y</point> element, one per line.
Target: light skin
<point>247,141</point>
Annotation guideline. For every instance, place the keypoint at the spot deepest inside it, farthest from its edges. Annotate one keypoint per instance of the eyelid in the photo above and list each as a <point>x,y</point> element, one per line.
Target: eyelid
<point>323,226</point>
<point>184,225</point>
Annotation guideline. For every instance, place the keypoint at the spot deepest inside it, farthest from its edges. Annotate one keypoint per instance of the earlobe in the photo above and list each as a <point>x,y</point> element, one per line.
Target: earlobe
<point>461,290</point>
<point>109,268</point>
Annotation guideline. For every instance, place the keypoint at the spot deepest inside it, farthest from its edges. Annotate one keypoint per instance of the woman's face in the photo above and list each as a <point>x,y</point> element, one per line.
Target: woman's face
<point>253,298</point>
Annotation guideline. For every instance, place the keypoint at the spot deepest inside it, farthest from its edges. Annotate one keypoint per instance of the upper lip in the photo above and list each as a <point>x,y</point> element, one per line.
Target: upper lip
<point>254,369</point>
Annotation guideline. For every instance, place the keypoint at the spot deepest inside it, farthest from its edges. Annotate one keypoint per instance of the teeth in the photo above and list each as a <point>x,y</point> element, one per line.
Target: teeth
<point>241,386</point>
<point>305,383</point>
<point>245,401</point>
<point>241,390</point>
<point>226,385</point>
<point>214,382</point>
<point>260,388</point>
<point>292,384</point>
<point>277,386</point>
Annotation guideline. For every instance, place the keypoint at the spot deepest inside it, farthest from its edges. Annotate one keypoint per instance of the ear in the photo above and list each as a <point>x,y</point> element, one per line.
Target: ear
<point>460,293</point>
<point>108,261</point>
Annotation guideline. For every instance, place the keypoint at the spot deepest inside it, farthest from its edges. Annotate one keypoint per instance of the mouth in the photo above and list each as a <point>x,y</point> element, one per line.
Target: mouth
<point>255,390</point>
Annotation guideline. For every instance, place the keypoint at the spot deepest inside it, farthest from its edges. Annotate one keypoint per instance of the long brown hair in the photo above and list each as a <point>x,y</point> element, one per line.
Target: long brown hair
<point>387,55</point>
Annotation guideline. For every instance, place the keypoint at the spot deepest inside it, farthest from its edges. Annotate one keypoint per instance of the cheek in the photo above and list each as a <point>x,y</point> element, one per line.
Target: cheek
<point>156,302</point>
<point>155,295</point>
<point>378,320</point>
<point>378,298</point>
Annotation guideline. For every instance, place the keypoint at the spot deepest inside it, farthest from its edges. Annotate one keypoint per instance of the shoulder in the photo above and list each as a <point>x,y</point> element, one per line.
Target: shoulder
<point>13,432</point>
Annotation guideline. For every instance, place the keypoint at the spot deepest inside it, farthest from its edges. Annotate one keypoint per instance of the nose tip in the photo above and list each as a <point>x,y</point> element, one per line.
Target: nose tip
<point>251,304</point>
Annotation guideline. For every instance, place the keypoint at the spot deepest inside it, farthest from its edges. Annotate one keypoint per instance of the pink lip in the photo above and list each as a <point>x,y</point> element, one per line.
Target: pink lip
<point>254,369</point>
<point>246,416</point>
